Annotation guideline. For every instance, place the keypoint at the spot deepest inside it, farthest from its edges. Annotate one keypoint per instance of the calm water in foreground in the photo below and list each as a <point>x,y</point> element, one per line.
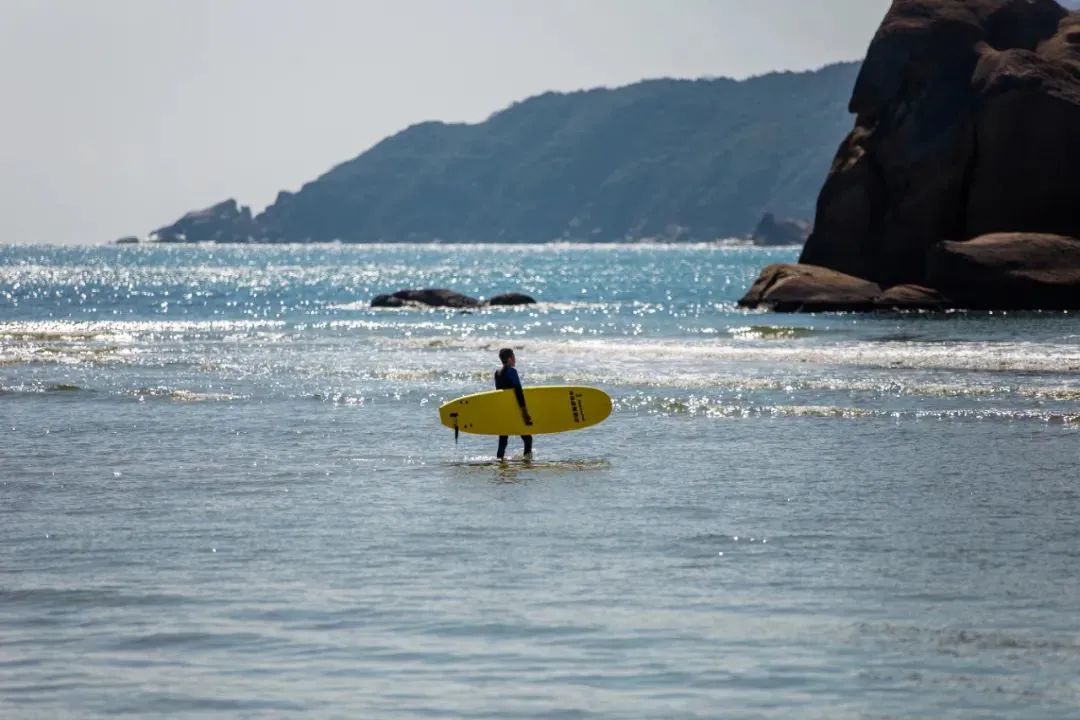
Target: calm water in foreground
<point>224,492</point>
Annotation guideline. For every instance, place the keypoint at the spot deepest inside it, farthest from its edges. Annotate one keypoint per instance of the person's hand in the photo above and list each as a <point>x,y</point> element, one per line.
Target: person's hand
<point>528,419</point>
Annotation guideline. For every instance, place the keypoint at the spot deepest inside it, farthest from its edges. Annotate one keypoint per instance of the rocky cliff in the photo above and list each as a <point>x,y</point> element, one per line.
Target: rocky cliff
<point>967,124</point>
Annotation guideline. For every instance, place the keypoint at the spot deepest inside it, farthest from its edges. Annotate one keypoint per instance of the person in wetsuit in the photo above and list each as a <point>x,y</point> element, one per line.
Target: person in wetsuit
<point>506,378</point>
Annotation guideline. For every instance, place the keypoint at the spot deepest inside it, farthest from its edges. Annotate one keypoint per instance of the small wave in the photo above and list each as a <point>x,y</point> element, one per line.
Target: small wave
<point>68,598</point>
<point>1050,393</point>
<point>341,399</point>
<point>13,334</point>
<point>946,638</point>
<point>706,408</point>
<point>357,305</point>
<point>974,357</point>
<point>401,374</point>
<point>416,328</point>
<point>191,639</point>
<point>770,332</point>
<point>63,387</point>
<point>107,343</point>
<point>710,408</point>
<point>114,330</point>
<point>183,395</point>
<point>38,388</point>
<point>64,355</point>
<point>580,306</point>
<point>733,384</point>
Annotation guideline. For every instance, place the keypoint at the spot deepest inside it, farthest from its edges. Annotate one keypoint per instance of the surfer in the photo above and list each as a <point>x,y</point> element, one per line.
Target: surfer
<point>506,378</point>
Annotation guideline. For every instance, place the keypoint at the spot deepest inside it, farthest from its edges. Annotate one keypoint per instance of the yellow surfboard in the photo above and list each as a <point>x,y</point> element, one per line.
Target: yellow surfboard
<point>553,409</point>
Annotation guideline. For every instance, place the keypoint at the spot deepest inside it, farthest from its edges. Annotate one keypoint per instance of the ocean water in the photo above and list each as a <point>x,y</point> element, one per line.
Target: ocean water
<point>224,492</point>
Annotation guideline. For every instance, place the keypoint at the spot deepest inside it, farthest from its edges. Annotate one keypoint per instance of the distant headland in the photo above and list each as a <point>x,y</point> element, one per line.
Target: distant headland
<point>660,159</point>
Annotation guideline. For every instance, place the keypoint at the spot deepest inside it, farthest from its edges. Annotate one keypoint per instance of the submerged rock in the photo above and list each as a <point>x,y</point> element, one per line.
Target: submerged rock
<point>786,287</point>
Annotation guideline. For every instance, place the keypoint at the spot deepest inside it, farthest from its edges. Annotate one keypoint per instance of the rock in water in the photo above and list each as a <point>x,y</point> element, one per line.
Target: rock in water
<point>968,122</point>
<point>511,299</point>
<point>387,301</point>
<point>441,297</point>
<point>786,287</point>
<point>1009,271</point>
<point>911,297</point>
<point>437,297</point>
<point>773,232</point>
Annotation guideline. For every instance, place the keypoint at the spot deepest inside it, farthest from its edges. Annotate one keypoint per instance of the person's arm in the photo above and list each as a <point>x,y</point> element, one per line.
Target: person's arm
<point>520,394</point>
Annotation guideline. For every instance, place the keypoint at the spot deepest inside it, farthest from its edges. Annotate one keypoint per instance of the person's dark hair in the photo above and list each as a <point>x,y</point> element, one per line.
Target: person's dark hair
<point>505,354</point>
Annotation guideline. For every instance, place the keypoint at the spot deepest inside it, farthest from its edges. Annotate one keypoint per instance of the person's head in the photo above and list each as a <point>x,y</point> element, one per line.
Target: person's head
<point>506,355</point>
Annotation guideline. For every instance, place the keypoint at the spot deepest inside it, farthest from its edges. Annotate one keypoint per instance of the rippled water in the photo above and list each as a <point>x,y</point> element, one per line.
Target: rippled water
<point>224,491</point>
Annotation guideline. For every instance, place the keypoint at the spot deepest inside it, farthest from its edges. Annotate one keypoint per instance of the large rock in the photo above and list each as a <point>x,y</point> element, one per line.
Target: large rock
<point>387,301</point>
<point>225,222</point>
<point>968,122</point>
<point>1009,271</point>
<point>441,297</point>
<point>1025,172</point>
<point>911,297</point>
<point>786,287</point>
<point>512,298</point>
<point>436,297</point>
<point>772,232</point>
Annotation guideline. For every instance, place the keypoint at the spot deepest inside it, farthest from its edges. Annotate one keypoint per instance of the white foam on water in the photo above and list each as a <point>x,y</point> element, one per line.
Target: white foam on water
<point>182,395</point>
<point>754,359</point>
<point>705,407</point>
<point>116,329</point>
<point>986,356</point>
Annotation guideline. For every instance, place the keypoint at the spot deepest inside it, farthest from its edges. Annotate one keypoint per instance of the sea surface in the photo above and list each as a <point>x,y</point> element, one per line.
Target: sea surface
<point>224,492</point>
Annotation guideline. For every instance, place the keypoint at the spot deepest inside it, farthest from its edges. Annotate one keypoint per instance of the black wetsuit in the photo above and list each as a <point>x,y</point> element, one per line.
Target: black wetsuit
<point>506,378</point>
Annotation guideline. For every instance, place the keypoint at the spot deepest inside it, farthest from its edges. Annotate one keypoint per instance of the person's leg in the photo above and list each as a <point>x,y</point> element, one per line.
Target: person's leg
<point>503,439</point>
<point>528,443</point>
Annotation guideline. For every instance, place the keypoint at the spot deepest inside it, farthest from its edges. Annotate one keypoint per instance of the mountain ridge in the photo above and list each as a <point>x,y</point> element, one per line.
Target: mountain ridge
<point>676,159</point>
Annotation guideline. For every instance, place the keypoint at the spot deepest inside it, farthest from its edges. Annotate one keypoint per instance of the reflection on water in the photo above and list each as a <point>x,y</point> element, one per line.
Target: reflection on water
<point>518,469</point>
<point>224,490</point>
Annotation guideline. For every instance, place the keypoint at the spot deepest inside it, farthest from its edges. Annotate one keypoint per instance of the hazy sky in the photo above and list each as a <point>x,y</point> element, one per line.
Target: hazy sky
<point>121,115</point>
